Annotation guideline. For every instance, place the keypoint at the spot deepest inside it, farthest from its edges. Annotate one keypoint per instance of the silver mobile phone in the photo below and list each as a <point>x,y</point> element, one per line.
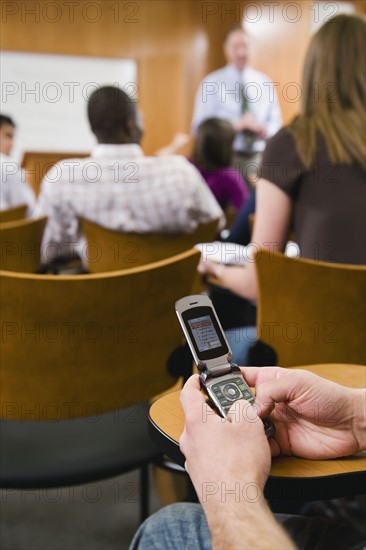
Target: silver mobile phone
<point>221,379</point>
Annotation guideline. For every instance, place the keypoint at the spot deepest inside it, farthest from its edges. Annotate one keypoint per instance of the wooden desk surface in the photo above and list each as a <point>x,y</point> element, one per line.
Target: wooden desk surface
<point>167,418</point>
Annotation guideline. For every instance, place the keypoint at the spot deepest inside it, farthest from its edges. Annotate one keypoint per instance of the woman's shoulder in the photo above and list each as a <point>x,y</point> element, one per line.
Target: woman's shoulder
<point>281,146</point>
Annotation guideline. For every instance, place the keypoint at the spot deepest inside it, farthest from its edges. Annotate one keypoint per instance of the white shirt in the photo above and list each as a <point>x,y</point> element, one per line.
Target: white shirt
<point>119,188</point>
<point>220,95</point>
<point>14,190</point>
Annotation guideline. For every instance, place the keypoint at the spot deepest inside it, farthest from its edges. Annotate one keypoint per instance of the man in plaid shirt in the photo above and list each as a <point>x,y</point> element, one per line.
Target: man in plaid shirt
<point>117,186</point>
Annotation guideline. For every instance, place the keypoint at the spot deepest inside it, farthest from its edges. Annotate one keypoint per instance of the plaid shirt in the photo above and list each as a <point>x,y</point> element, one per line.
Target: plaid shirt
<point>119,188</point>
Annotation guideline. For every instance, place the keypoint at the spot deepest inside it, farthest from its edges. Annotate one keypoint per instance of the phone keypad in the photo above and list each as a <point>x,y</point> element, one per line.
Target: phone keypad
<point>228,392</point>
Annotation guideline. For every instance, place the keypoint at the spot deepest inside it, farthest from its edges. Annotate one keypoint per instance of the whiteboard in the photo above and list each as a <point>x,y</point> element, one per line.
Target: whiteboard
<point>47,97</point>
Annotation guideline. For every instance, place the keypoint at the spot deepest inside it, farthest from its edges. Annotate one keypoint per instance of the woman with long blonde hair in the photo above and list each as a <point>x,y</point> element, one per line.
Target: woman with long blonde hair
<point>313,171</point>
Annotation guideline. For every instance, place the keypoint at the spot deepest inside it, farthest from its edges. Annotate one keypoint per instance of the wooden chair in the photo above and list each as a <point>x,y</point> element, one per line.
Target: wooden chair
<point>311,312</point>
<point>109,250</point>
<point>20,243</point>
<point>37,164</point>
<point>13,214</point>
<point>79,356</point>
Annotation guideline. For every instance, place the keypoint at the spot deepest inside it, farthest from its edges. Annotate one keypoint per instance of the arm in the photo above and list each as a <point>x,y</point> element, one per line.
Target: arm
<point>179,141</point>
<point>14,187</point>
<point>228,475</point>
<point>206,102</point>
<point>272,221</point>
<point>60,235</point>
<point>249,122</point>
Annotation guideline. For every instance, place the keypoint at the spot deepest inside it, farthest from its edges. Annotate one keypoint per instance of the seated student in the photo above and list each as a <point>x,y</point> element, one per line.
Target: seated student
<point>234,456</point>
<point>313,171</point>
<point>213,155</point>
<point>118,187</point>
<point>14,189</point>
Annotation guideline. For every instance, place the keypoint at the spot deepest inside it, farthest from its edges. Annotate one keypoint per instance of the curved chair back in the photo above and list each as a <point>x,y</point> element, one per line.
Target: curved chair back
<point>37,164</point>
<point>311,312</point>
<point>21,245</point>
<point>81,346</point>
<point>13,214</point>
<point>108,250</point>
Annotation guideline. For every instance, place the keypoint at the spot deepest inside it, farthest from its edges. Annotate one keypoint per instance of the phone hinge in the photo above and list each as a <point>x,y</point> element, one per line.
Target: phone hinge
<point>218,370</point>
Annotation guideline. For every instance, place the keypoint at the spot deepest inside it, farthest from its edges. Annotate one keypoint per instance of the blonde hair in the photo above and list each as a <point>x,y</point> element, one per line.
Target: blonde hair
<point>334,93</point>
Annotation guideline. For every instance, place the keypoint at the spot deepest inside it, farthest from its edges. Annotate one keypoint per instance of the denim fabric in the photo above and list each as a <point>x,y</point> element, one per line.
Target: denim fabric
<point>176,527</point>
<point>184,527</point>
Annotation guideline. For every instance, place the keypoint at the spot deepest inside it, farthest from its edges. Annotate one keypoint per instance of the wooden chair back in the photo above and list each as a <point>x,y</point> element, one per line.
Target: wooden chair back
<point>75,346</point>
<point>20,243</point>
<point>311,312</point>
<point>13,214</point>
<point>108,250</point>
<point>37,164</point>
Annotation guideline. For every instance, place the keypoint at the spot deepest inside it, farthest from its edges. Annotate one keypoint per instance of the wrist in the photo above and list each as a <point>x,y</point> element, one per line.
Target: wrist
<point>359,418</point>
<point>252,522</point>
<point>231,496</point>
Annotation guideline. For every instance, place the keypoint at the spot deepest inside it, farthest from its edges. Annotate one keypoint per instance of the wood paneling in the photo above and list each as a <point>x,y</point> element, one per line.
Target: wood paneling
<point>176,42</point>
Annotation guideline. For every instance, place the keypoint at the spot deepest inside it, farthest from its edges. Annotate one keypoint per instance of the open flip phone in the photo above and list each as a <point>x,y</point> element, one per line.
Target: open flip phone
<point>221,379</point>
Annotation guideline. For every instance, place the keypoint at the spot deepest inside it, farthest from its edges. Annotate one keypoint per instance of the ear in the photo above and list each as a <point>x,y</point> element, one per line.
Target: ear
<point>135,132</point>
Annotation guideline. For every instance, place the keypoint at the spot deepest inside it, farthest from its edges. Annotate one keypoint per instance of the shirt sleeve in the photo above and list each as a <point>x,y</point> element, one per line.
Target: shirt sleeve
<point>58,234</point>
<point>281,163</point>
<point>14,188</point>
<point>205,105</point>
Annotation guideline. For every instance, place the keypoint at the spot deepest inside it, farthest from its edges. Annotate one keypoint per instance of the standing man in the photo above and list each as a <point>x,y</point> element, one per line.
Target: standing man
<point>245,97</point>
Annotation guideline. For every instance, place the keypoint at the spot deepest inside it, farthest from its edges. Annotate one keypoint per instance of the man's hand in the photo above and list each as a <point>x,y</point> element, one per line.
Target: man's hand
<point>314,418</point>
<point>228,461</point>
<point>229,451</point>
<point>248,122</point>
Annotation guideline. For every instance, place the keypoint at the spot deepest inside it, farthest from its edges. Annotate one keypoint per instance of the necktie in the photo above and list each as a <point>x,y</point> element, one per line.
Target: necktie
<point>244,100</point>
<point>249,136</point>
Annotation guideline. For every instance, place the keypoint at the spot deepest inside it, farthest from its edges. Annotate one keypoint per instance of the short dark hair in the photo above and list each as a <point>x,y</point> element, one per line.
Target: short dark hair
<point>233,28</point>
<point>213,147</point>
<point>4,119</point>
<point>109,110</point>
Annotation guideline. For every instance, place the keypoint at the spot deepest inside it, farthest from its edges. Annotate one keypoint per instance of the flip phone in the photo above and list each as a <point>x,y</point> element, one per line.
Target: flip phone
<point>221,379</point>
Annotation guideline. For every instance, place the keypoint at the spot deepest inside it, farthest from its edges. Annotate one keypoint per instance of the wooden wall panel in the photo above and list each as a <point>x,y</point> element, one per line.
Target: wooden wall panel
<point>175,42</point>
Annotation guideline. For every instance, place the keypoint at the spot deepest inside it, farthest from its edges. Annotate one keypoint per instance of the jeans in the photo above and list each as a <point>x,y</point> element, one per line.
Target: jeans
<point>183,527</point>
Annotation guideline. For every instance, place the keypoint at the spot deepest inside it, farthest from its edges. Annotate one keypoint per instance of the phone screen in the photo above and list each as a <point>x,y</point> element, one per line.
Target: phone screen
<point>205,333</point>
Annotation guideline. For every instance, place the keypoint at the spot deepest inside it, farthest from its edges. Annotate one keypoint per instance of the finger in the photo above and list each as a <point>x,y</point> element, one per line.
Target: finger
<point>242,411</point>
<point>269,393</point>
<point>274,446</point>
<point>201,267</point>
<point>191,397</point>
<point>253,375</point>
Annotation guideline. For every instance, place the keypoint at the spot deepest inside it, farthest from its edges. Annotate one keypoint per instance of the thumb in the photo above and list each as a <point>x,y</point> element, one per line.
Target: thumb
<point>269,393</point>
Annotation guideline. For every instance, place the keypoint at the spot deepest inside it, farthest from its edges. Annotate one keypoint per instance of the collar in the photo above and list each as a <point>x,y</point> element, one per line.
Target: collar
<point>243,75</point>
<point>114,151</point>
